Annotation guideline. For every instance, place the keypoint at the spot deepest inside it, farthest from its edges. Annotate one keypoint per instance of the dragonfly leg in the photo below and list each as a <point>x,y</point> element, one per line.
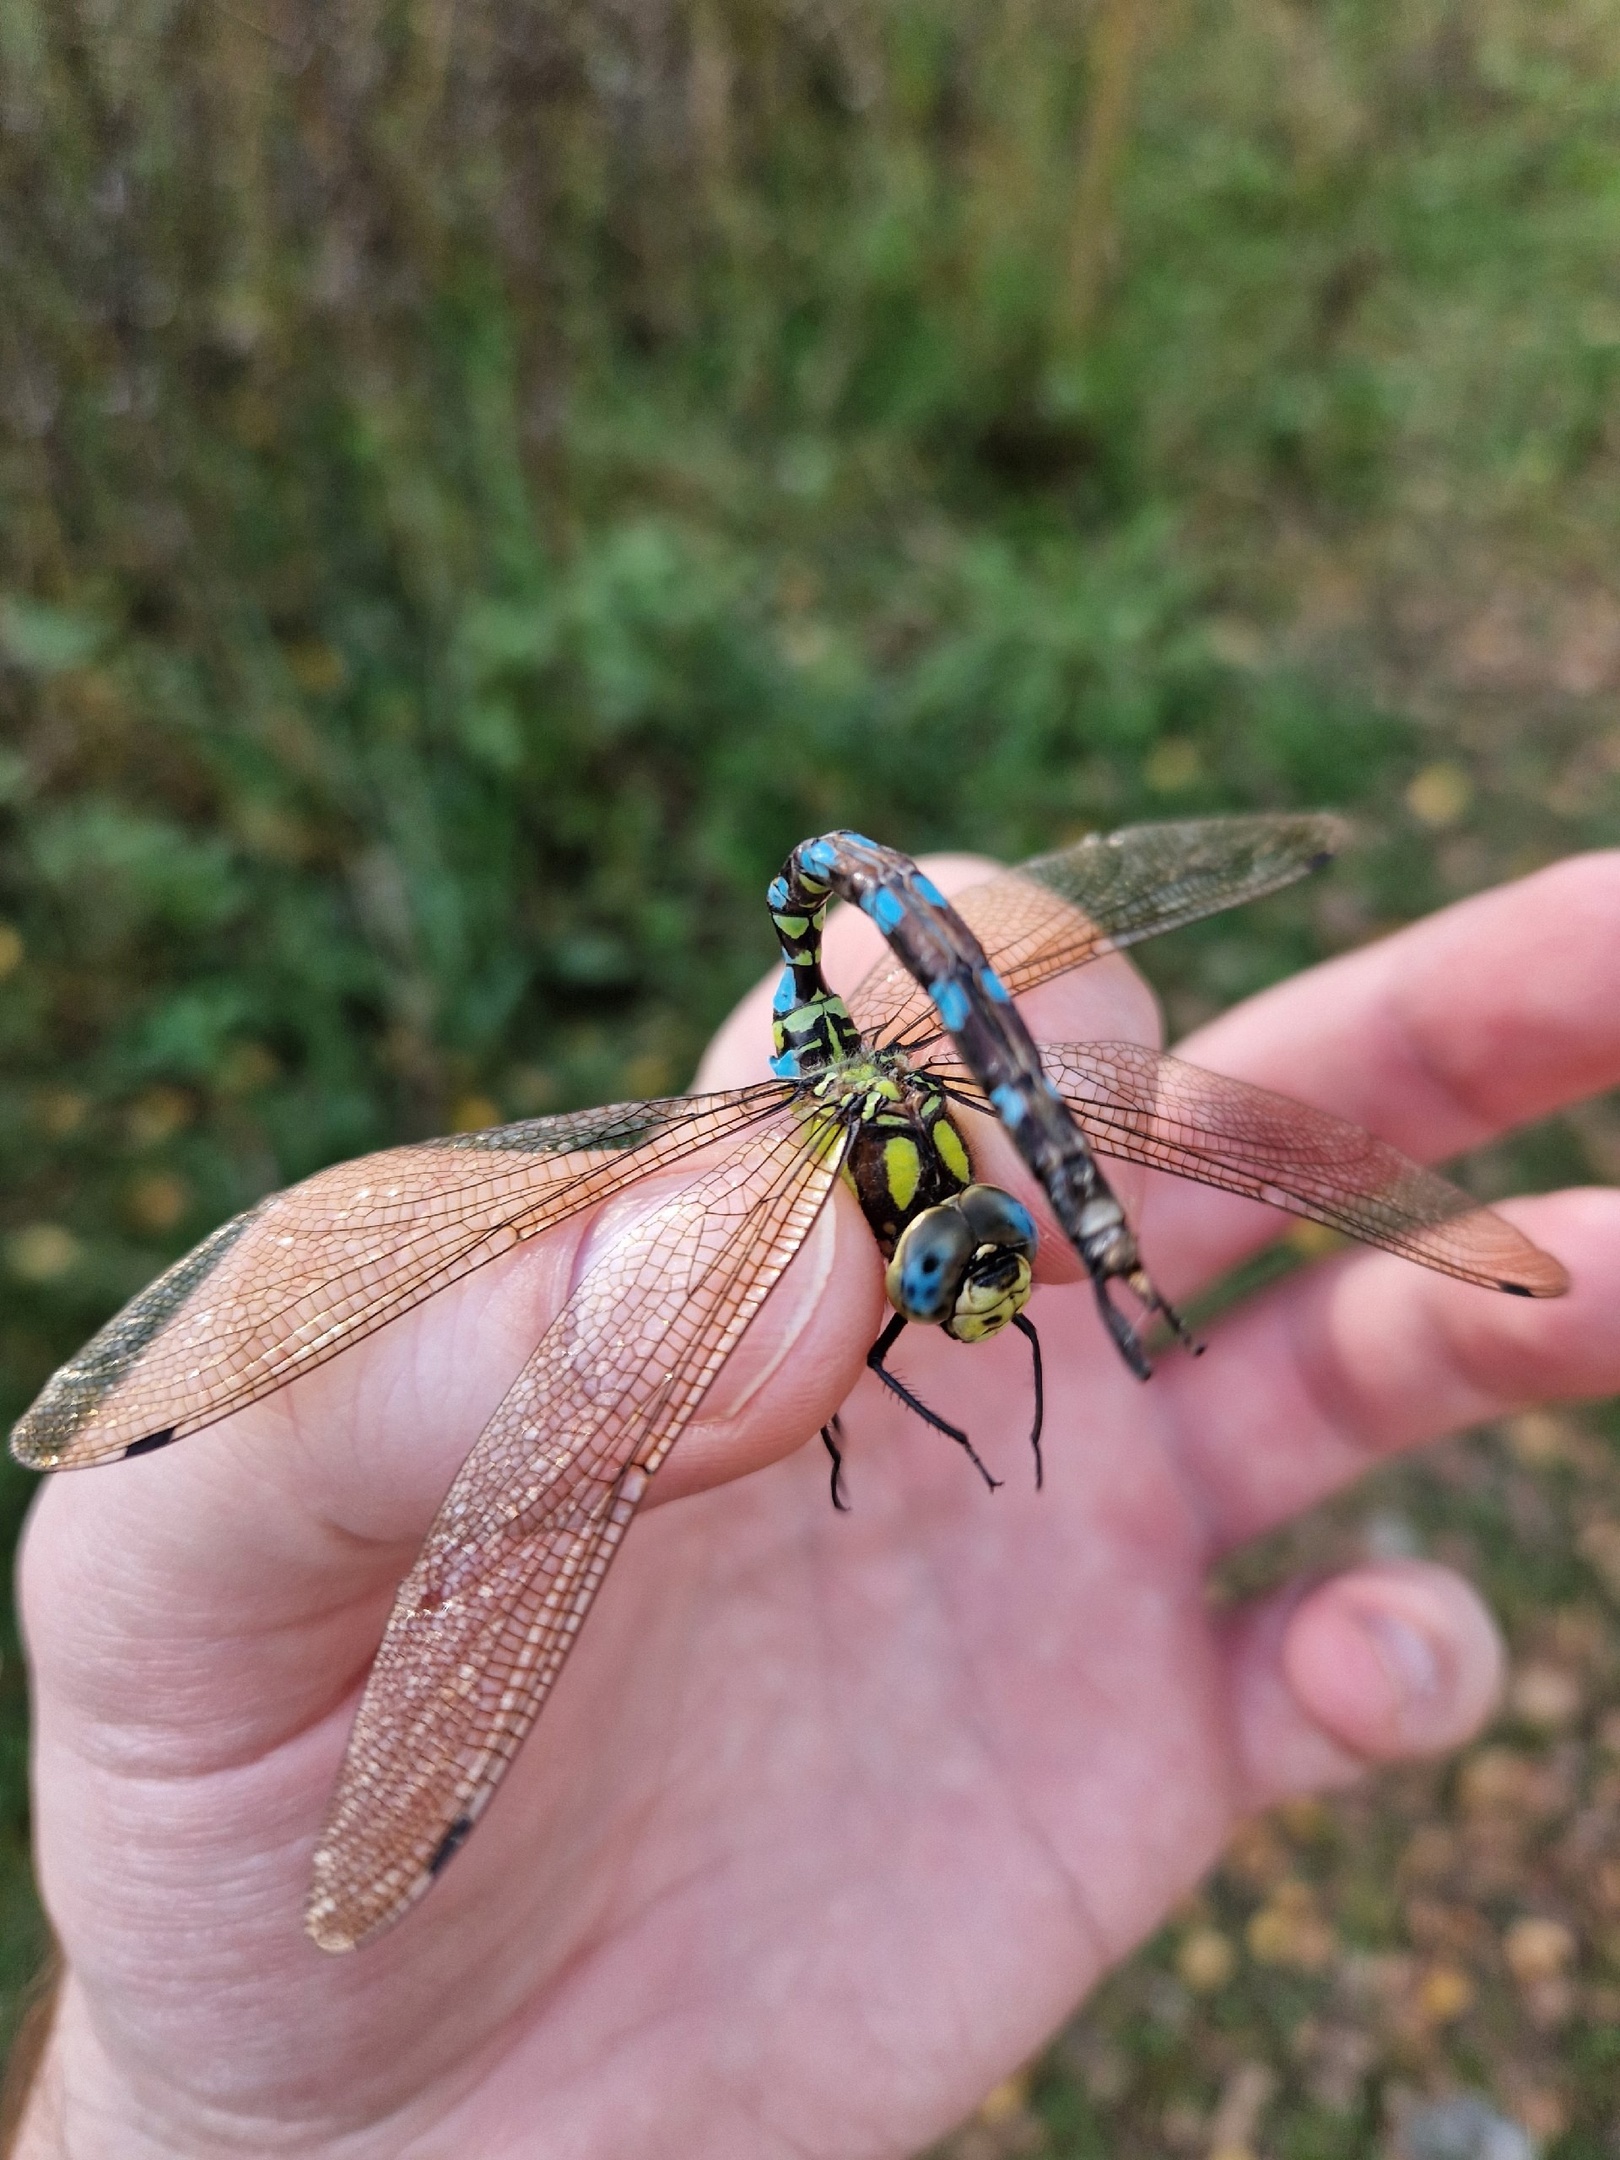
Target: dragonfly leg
<point>831,1429</point>
<point>1027,1327</point>
<point>875,1357</point>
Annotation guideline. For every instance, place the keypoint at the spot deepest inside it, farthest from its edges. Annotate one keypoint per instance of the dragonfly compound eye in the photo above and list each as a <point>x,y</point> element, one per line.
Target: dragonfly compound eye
<point>929,1263</point>
<point>996,1218</point>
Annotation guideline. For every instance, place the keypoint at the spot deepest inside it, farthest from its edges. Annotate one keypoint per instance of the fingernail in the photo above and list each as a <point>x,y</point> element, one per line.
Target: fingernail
<point>1409,1662</point>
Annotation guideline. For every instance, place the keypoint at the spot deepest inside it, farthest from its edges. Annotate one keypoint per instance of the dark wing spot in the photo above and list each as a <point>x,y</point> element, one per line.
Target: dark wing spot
<point>451,1843</point>
<point>1518,1289</point>
<point>151,1444</point>
<point>43,1434</point>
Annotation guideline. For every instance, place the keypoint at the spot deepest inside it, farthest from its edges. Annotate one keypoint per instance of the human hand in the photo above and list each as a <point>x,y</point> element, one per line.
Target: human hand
<point>831,1819</point>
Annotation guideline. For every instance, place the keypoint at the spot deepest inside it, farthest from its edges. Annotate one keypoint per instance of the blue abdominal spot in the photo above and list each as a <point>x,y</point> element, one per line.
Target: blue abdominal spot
<point>776,893</point>
<point>783,1000</point>
<point>993,986</point>
<point>1009,1105</point>
<point>817,857</point>
<point>929,890</point>
<point>786,1067</point>
<point>951,1000</point>
<point>885,910</point>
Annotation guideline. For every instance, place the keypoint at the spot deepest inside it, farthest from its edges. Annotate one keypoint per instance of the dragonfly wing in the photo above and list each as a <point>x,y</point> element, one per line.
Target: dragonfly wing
<point>1110,890</point>
<point>313,1269</point>
<point>483,1622</point>
<point>1143,1107</point>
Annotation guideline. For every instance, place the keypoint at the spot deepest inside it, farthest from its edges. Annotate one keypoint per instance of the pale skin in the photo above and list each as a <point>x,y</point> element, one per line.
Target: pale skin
<point>832,1819</point>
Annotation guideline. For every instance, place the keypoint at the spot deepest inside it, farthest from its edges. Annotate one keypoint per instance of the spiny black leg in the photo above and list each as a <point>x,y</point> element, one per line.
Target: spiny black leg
<point>827,1432</point>
<point>1027,1327</point>
<point>875,1356</point>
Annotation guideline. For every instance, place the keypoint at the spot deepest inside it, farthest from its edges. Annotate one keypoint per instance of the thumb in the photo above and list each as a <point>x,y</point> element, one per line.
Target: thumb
<point>1382,1664</point>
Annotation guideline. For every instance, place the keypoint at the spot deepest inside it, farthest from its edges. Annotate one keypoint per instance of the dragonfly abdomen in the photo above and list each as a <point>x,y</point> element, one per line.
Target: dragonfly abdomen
<point>811,1029</point>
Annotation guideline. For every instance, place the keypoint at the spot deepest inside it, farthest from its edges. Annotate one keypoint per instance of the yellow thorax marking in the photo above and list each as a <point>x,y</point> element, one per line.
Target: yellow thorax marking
<point>902,1170</point>
<point>948,1142</point>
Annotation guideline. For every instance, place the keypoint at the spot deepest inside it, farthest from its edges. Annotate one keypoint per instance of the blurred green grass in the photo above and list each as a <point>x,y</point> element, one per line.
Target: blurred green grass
<point>475,489</point>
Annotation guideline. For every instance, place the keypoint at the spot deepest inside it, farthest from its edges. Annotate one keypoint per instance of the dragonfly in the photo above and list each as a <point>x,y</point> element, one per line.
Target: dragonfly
<point>876,1091</point>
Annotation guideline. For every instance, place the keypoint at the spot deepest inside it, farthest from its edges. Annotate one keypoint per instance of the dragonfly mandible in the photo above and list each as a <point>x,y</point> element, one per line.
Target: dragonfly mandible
<point>483,1622</point>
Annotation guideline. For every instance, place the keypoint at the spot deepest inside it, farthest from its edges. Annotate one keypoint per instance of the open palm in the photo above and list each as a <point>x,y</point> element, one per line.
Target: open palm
<point>832,1818</point>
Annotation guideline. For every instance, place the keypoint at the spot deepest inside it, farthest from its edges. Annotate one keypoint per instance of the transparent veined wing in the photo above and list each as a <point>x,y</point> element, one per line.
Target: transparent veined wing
<point>310,1270</point>
<point>1141,1106</point>
<point>483,1622</point>
<point>1110,890</point>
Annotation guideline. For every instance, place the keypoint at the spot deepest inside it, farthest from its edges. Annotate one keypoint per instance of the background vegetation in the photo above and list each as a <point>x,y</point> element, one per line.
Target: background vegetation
<point>477,482</point>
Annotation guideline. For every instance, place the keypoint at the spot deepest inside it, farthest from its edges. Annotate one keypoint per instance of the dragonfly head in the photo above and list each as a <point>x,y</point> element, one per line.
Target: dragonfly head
<point>965,1266</point>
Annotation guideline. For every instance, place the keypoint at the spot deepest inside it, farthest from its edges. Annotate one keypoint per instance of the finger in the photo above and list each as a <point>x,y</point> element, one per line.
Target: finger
<point>1476,1020</point>
<point>1359,1357</point>
<point>1384,1664</point>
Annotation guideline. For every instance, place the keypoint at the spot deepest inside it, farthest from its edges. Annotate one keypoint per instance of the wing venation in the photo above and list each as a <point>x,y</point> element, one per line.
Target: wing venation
<point>313,1269</point>
<point>1144,1107</point>
<point>484,1621</point>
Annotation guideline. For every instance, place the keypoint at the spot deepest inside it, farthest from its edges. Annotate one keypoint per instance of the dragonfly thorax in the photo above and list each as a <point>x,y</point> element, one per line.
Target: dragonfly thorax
<point>905,1153</point>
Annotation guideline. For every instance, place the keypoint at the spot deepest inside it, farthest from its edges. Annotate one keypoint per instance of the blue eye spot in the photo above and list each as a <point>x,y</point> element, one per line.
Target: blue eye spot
<point>951,1001</point>
<point>993,986</point>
